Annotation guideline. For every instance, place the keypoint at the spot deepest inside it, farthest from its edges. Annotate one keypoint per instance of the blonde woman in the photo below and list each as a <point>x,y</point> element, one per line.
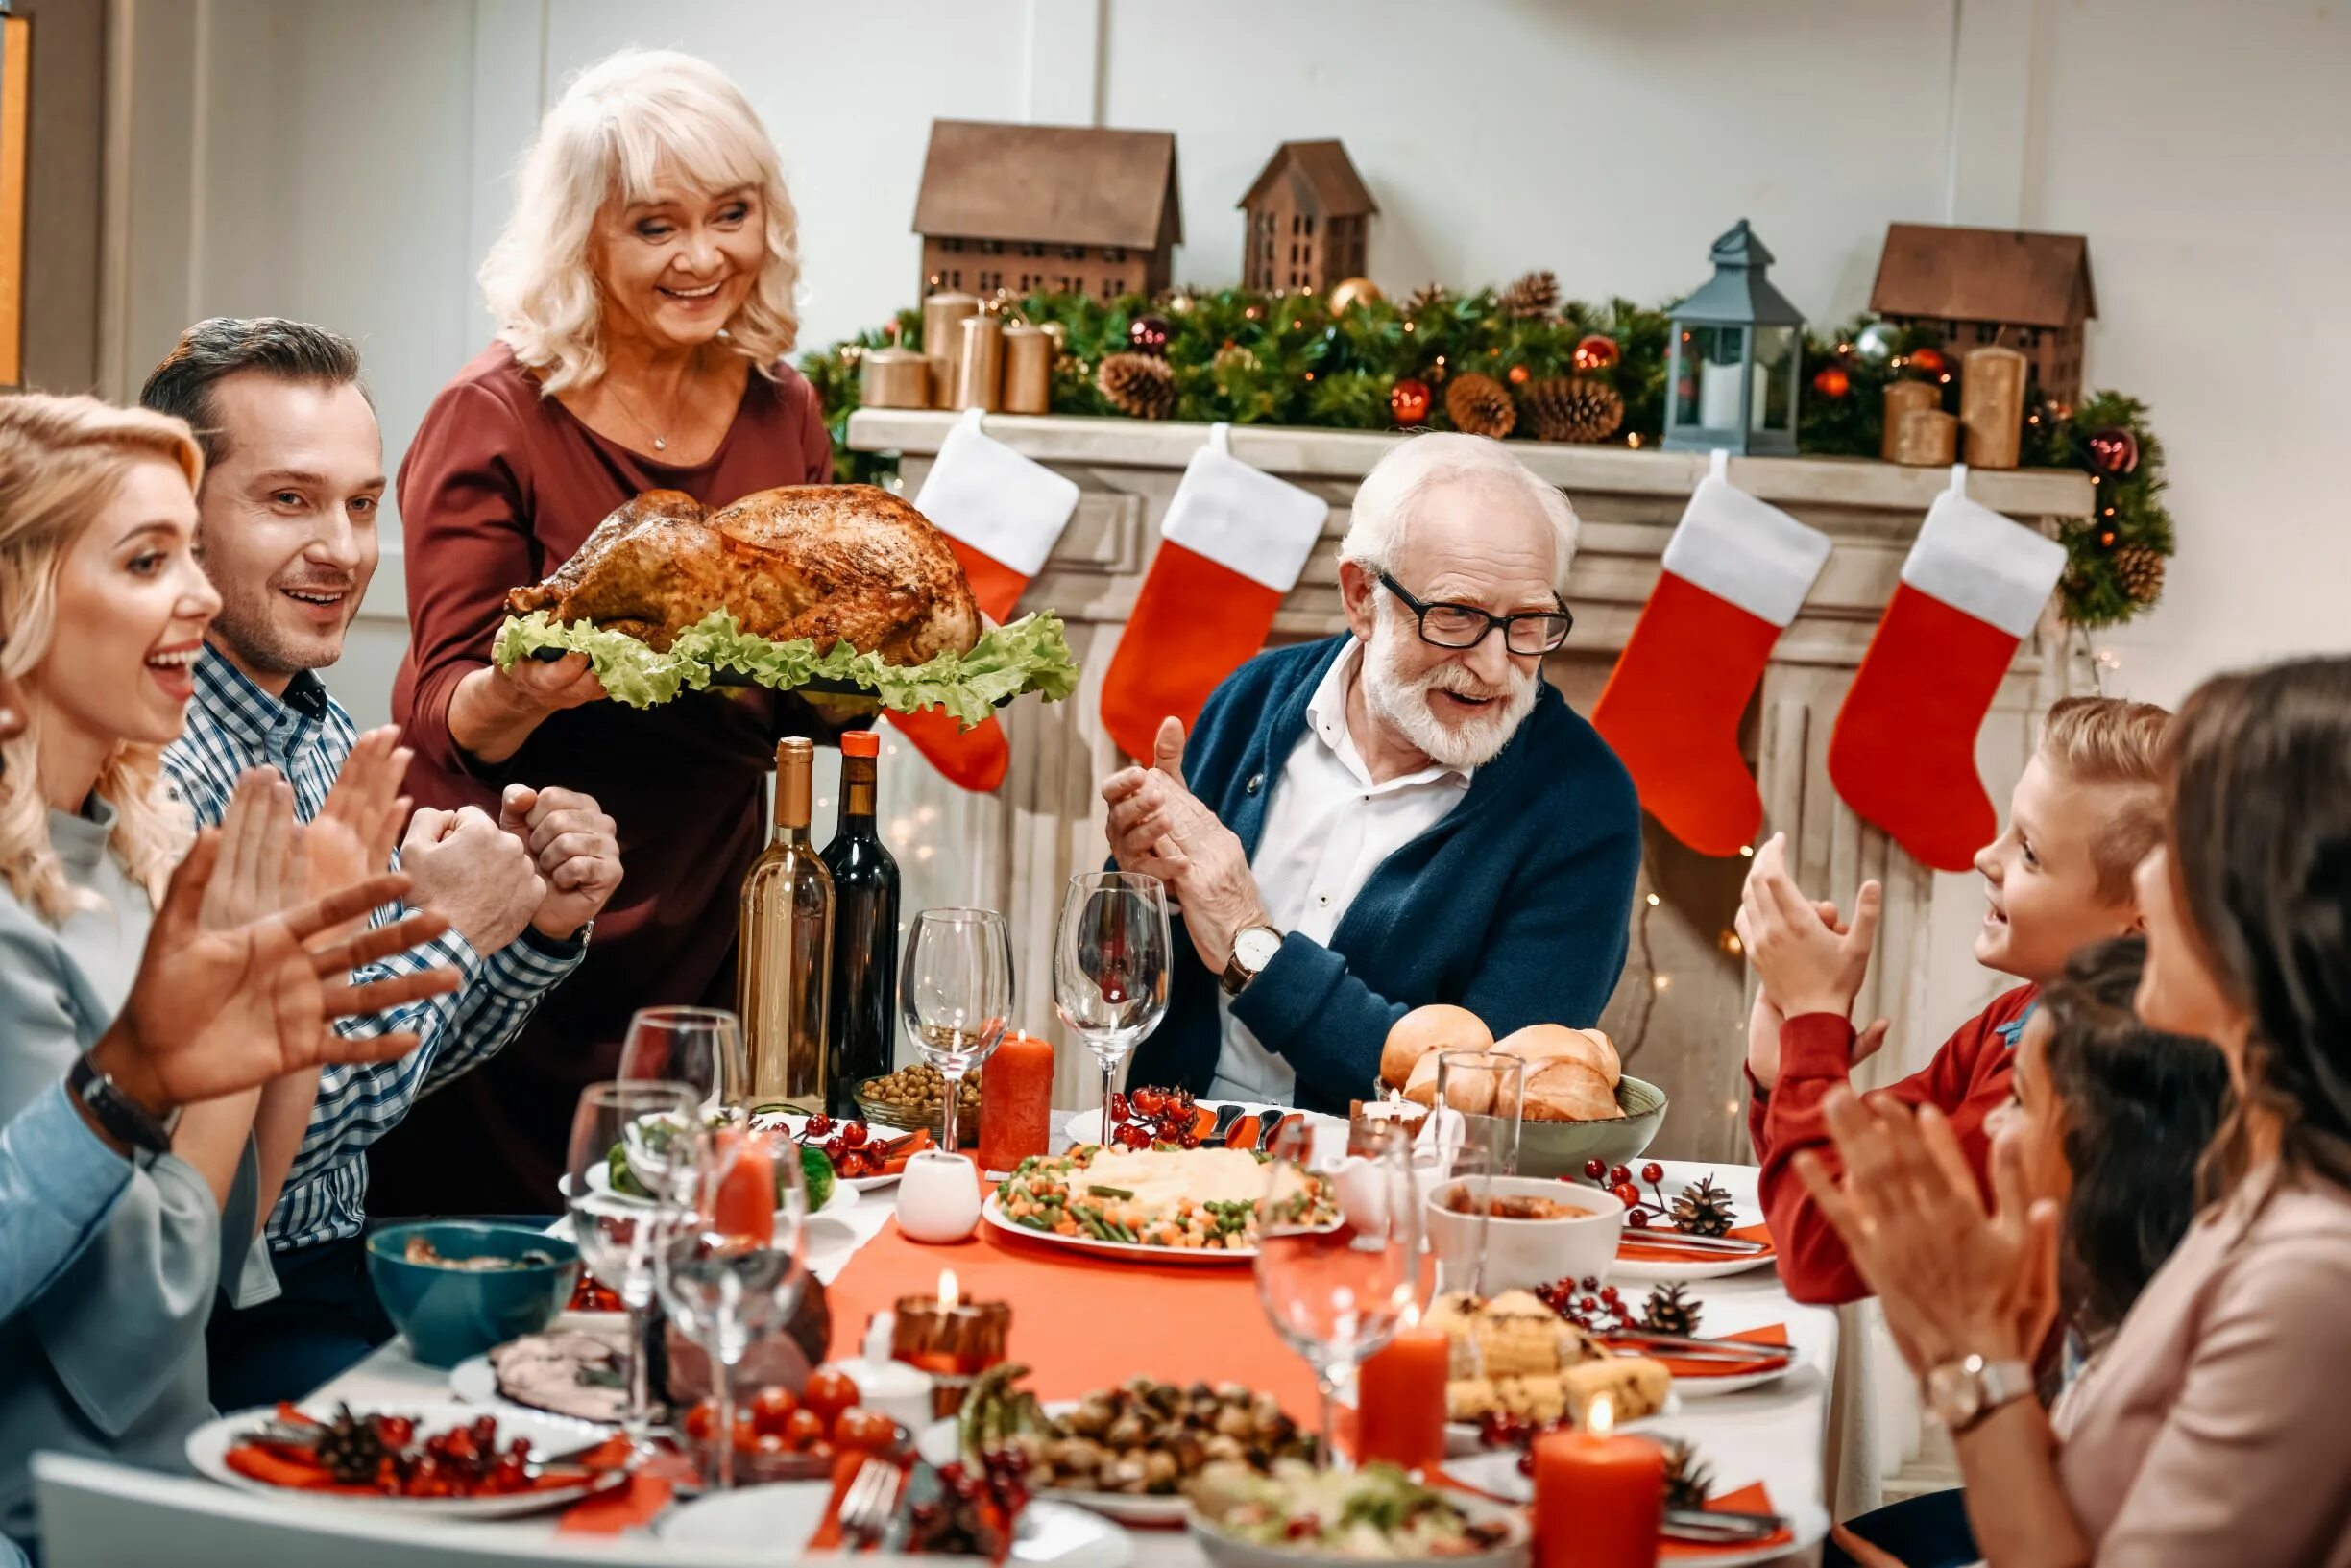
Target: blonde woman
<point>103,608</point>
<point>645,280</point>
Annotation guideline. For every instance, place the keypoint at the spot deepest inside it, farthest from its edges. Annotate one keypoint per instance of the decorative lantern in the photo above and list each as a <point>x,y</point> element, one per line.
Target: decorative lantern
<point>1738,348</point>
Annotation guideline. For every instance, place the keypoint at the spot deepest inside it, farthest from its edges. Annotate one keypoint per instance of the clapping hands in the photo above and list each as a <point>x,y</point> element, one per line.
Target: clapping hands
<point>1806,959</point>
<point>1157,826</point>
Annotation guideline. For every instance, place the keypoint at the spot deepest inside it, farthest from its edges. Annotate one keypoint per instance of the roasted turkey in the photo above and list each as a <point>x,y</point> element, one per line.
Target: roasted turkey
<point>826,562</point>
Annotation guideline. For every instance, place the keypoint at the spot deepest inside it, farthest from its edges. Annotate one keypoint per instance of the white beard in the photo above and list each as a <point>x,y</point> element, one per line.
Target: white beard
<point>1401,702</point>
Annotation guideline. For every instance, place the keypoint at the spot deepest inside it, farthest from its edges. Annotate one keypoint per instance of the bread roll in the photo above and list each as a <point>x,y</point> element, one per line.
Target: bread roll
<point>1611,1064</point>
<point>1539,1043</point>
<point>1426,1031</point>
<point>1565,1089</point>
<point>1421,1084</point>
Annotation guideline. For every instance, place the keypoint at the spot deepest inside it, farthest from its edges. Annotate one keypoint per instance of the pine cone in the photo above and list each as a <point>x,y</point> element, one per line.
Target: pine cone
<point>1702,1209</point>
<point>1670,1311</point>
<point>2141,567</point>
<point>1481,405</point>
<point>1573,408</point>
<point>1139,386</point>
<point>1688,1478</point>
<point>1537,294</point>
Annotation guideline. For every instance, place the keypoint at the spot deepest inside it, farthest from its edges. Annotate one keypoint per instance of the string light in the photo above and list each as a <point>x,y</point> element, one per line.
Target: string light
<point>1747,850</point>
<point>1660,981</point>
<point>1653,901</point>
<point>1728,941</point>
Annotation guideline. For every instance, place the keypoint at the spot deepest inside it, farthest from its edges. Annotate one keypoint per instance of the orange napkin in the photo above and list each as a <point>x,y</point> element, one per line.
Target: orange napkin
<point>1748,1499</point>
<point>1632,1247</point>
<point>916,1141</point>
<point>828,1533</point>
<point>1693,1367</point>
<point>614,1512</point>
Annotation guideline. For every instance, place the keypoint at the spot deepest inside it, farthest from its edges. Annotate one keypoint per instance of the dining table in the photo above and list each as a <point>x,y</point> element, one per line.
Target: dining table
<point>1773,1433</point>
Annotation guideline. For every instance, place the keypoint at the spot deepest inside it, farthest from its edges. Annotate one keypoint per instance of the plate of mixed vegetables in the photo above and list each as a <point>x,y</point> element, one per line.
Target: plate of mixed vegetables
<point>442,1459</point>
<point>1173,1205</point>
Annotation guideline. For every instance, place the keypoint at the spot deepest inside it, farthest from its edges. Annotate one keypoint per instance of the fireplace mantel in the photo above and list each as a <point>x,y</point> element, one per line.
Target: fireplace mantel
<point>1681,1009</point>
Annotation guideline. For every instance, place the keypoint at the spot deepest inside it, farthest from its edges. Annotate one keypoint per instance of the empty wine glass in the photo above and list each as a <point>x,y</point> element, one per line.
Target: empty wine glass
<point>1111,965</point>
<point>1336,1285</point>
<point>1469,1139</point>
<point>701,1046</point>
<point>955,992</point>
<point>630,1170</point>
<point>732,1271</point>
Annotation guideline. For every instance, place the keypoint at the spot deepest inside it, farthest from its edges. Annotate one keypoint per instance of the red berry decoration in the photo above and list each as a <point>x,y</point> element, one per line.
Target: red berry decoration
<point>1596,351</point>
<point>2115,451</point>
<point>1619,1174</point>
<point>1637,1218</point>
<point>1628,1195</point>
<point>1652,1172</point>
<point>1409,401</point>
<point>1831,381</point>
<point>1595,1169</point>
<point>1929,361</point>
<point>1149,335</point>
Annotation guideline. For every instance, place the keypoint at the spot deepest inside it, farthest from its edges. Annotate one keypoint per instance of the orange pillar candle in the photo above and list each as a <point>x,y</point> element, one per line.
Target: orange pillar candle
<point>1599,1497</point>
<point>1401,1413</point>
<point>743,1207</point>
<point>1015,1101</point>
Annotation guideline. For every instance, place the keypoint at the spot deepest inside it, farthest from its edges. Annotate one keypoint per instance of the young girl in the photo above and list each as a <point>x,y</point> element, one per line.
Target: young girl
<point>2210,1429</point>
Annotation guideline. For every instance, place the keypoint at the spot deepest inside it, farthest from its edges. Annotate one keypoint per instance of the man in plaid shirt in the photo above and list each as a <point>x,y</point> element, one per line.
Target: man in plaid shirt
<point>294,475</point>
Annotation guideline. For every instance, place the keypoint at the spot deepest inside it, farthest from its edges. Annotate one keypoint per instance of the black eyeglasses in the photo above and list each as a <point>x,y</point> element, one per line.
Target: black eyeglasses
<point>1465,625</point>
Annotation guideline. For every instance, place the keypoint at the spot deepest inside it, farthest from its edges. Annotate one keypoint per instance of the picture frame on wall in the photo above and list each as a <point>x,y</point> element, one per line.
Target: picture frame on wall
<point>16,99</point>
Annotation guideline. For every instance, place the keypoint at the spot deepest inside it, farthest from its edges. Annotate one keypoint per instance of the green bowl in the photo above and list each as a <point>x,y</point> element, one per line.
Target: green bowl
<point>451,1315</point>
<point>1559,1148</point>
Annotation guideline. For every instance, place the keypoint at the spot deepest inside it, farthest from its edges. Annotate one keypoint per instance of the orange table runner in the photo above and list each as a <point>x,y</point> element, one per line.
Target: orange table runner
<point>1081,1323</point>
<point>1631,1250</point>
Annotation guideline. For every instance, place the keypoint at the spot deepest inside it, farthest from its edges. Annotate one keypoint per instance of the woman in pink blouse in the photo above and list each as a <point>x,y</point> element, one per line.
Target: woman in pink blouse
<point>2211,1429</point>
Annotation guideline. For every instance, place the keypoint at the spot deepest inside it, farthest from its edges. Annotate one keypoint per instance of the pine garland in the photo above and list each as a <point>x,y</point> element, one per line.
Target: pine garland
<point>1247,357</point>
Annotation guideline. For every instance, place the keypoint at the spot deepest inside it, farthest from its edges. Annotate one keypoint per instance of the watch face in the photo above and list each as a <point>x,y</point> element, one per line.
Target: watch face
<point>1956,1393</point>
<point>1256,946</point>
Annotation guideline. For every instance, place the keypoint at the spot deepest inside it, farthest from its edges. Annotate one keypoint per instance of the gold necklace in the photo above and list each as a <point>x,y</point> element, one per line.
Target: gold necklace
<point>660,443</point>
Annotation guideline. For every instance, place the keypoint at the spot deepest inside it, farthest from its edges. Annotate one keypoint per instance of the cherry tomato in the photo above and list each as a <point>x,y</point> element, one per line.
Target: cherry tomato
<point>700,1419</point>
<point>802,1428</point>
<point>746,1435</point>
<point>818,1126</point>
<point>835,1148</point>
<point>771,1409</point>
<point>771,1445</point>
<point>822,1451</point>
<point>853,1133</point>
<point>397,1431</point>
<point>827,1393</point>
<point>858,1427</point>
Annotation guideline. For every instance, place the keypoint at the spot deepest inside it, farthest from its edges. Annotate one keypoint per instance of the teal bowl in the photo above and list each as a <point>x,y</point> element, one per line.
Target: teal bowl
<point>451,1315</point>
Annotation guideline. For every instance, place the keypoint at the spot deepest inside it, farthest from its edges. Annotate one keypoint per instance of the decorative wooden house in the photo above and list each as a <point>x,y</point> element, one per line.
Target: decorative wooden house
<point>1069,208</point>
<point>2029,292</point>
<point>1308,216</point>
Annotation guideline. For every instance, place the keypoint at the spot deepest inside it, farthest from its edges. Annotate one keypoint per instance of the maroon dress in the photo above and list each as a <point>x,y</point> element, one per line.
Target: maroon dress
<point>498,489</point>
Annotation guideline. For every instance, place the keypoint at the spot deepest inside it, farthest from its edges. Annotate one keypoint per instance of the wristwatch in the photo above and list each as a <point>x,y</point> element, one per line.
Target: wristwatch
<point>1253,948</point>
<point>1964,1392</point>
<point>117,1112</point>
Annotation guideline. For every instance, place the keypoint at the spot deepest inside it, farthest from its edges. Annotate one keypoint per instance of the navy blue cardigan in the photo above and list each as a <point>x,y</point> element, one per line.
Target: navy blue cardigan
<point>1515,906</point>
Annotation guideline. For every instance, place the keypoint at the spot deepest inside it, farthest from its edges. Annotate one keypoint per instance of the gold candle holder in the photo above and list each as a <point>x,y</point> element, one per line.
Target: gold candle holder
<point>1992,407</point>
<point>952,1340</point>
<point>980,368</point>
<point>1902,398</point>
<point>1027,370</point>
<point>943,315</point>
<point>894,378</point>
<point>1926,438</point>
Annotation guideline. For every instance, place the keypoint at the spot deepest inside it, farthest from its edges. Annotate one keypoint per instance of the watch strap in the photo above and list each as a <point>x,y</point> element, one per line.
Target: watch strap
<point>1237,975</point>
<point>122,1116</point>
<point>1996,1383</point>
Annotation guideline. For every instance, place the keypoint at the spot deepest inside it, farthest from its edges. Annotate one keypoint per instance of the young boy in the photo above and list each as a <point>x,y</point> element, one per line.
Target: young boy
<point>2085,813</point>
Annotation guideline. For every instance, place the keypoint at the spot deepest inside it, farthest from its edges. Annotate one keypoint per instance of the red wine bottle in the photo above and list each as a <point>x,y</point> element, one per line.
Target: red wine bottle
<point>863,1027</point>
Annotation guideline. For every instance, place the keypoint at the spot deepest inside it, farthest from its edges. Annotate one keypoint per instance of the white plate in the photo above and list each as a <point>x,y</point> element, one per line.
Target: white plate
<point>771,1519</point>
<point>1739,1181</point>
<point>1226,1552</point>
<point>942,1443</point>
<point>863,1184</point>
<point>1461,1437</point>
<point>844,1194</point>
<point>1135,1251</point>
<point>209,1445</point>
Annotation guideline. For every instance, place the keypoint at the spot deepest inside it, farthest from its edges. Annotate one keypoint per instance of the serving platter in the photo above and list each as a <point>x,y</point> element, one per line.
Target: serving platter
<point>993,1213</point>
<point>942,1443</point>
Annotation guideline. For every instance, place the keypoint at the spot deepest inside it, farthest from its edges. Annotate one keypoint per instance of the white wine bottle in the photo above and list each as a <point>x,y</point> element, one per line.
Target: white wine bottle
<point>786,955</point>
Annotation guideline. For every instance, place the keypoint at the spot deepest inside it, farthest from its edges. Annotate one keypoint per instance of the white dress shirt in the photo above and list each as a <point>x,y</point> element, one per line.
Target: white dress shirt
<point>1328,828</point>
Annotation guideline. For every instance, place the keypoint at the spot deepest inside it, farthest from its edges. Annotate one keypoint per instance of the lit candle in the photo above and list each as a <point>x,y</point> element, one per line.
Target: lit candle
<point>1400,1413</point>
<point>1599,1496</point>
<point>1718,396</point>
<point>1015,1101</point>
<point>743,1207</point>
<point>952,1340</point>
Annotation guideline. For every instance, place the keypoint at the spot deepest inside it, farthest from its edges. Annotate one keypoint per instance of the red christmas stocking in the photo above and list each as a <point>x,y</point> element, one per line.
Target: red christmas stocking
<point>1736,571</point>
<point>1904,753</point>
<point>1002,513</point>
<point>1233,544</point>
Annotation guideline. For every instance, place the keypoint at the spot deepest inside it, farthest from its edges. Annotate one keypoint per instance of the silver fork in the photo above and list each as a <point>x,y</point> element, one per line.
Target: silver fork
<point>867,1506</point>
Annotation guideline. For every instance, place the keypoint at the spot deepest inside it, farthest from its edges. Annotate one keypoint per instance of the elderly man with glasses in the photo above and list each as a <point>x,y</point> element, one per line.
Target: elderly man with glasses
<point>1400,815</point>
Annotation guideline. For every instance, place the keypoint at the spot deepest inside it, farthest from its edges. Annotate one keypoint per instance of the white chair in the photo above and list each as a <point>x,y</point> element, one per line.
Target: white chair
<point>97,1515</point>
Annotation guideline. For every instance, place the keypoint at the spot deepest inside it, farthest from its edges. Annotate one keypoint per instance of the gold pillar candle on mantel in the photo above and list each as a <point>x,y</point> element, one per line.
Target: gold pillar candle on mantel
<point>1902,398</point>
<point>943,316</point>
<point>894,378</point>
<point>1926,438</point>
<point>952,1340</point>
<point>1992,407</point>
<point>1027,370</point>
<point>980,367</point>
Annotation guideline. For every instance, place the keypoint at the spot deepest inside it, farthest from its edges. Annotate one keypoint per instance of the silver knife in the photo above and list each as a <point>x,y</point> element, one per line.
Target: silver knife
<point>1732,1245</point>
<point>1707,1525</point>
<point>1692,1344</point>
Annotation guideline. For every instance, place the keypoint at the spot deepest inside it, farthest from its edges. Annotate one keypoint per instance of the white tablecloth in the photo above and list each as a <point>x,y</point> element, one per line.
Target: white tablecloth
<point>1773,1433</point>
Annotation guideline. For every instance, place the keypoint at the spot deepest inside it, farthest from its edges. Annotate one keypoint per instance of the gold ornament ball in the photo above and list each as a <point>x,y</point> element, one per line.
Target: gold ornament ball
<point>1354,291</point>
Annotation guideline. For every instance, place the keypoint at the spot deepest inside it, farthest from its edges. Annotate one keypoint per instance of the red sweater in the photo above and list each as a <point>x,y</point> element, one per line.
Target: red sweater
<point>1968,1077</point>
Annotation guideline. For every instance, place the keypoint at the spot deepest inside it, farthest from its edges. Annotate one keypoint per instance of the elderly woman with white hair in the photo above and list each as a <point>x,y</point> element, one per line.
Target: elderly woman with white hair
<point>1400,815</point>
<point>645,284</point>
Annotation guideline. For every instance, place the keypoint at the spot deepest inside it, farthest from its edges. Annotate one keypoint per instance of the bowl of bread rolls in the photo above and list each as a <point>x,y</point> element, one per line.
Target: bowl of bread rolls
<point>1579,1104</point>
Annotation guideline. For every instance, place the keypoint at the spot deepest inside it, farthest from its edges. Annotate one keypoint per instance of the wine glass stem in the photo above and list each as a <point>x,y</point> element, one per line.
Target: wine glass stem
<point>947,1121</point>
<point>722,1431</point>
<point>1109,1078</point>
<point>638,1421</point>
<point>1326,1385</point>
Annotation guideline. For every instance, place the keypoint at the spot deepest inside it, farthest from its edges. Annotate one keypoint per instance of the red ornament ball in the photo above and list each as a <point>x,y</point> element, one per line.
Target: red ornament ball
<point>1149,334</point>
<point>1409,401</point>
<point>1929,361</point>
<point>1596,351</point>
<point>1831,381</point>
<point>1518,375</point>
<point>2115,450</point>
